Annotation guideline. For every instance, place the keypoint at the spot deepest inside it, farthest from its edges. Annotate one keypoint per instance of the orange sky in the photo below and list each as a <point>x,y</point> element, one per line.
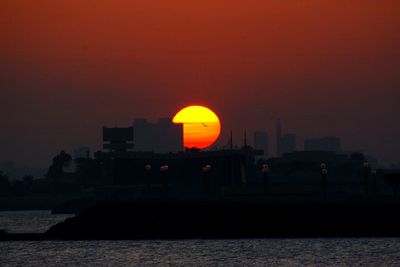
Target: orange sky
<point>68,67</point>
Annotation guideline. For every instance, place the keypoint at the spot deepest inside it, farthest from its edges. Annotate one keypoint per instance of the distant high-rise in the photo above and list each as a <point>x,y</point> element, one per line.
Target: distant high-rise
<point>284,143</point>
<point>162,137</point>
<point>261,141</point>
<point>329,143</point>
<point>118,140</point>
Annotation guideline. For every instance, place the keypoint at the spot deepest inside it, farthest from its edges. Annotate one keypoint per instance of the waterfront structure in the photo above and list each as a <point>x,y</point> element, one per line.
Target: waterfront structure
<point>304,167</point>
<point>118,140</point>
<point>230,169</point>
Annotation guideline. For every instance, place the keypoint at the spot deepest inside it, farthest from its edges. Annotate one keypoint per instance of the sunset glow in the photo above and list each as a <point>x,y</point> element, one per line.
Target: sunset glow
<point>201,126</point>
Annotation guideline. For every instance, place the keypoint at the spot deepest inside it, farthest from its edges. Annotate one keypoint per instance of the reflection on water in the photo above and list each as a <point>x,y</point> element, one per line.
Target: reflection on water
<point>36,221</point>
<point>244,252</point>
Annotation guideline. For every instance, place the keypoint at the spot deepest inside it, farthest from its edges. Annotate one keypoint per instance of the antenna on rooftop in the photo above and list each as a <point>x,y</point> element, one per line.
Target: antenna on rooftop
<point>231,141</point>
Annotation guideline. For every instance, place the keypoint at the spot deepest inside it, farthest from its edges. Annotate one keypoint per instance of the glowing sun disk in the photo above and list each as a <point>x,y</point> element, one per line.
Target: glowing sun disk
<point>201,126</point>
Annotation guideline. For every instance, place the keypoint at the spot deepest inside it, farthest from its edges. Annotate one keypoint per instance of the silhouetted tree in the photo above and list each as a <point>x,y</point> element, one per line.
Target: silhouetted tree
<point>4,184</point>
<point>56,169</point>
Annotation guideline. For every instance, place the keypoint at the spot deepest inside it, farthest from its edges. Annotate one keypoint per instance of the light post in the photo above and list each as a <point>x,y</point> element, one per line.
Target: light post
<point>367,170</point>
<point>147,168</point>
<point>164,179</point>
<point>206,169</point>
<point>374,182</point>
<point>324,174</point>
<point>265,171</point>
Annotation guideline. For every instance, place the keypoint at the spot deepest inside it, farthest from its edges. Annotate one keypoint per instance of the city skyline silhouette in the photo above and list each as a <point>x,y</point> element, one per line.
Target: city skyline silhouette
<point>323,68</point>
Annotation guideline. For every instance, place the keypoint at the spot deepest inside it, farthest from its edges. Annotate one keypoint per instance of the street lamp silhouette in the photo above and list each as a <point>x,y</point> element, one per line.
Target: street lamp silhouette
<point>206,169</point>
<point>164,178</point>
<point>374,182</point>
<point>367,170</point>
<point>265,171</point>
<point>147,168</point>
<point>324,174</point>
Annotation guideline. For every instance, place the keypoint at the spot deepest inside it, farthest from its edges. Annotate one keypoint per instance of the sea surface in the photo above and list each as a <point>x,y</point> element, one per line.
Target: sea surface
<point>35,221</point>
<point>194,252</point>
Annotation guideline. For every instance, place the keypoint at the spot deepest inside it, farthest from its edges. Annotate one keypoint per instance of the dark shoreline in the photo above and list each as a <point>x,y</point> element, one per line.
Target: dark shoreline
<point>173,219</point>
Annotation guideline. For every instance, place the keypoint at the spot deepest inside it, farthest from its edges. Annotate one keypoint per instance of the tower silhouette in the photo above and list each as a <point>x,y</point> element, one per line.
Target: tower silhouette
<point>278,133</point>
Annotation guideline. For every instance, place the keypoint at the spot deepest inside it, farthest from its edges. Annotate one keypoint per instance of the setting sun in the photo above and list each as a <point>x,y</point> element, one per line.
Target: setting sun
<point>201,126</point>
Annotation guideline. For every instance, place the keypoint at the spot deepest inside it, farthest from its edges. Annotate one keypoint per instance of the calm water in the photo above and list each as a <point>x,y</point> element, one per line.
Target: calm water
<point>255,252</point>
<point>243,252</point>
<point>36,221</point>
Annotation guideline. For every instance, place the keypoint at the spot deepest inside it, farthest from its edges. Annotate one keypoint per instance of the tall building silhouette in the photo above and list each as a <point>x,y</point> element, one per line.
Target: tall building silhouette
<point>285,143</point>
<point>261,141</point>
<point>161,137</point>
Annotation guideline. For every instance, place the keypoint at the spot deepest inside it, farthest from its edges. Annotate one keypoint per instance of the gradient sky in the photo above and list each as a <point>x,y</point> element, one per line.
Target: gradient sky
<point>68,67</point>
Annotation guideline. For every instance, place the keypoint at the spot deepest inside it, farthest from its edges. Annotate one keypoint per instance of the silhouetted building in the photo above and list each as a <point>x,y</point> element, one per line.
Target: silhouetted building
<point>305,166</point>
<point>261,141</point>
<point>185,174</point>
<point>285,143</point>
<point>162,137</point>
<point>118,140</point>
<point>329,143</point>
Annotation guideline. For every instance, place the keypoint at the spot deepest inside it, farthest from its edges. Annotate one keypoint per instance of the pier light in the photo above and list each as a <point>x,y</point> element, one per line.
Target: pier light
<point>265,168</point>
<point>164,168</point>
<point>207,168</point>
<point>265,171</point>
<point>323,165</point>
<point>147,168</point>
<point>324,182</point>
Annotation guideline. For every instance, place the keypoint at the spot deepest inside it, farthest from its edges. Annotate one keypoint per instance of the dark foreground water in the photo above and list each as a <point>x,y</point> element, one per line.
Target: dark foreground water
<point>255,252</point>
<point>243,252</point>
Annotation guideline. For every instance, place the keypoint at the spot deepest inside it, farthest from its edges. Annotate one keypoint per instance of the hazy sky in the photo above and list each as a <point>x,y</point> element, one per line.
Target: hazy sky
<point>68,67</point>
